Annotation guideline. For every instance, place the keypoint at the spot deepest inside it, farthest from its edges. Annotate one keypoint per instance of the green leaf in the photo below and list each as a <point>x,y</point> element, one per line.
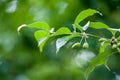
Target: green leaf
<point>103,46</point>
<point>77,26</point>
<point>113,31</point>
<point>39,25</point>
<point>41,36</point>
<point>100,59</point>
<point>62,31</point>
<point>63,40</point>
<point>98,25</point>
<point>84,14</point>
<point>97,61</point>
<point>42,42</point>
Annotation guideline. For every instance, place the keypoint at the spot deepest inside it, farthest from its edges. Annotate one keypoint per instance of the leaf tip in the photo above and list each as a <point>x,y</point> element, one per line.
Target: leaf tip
<point>51,30</point>
<point>100,13</point>
<point>86,76</point>
<point>20,27</point>
<point>107,66</point>
<point>86,25</point>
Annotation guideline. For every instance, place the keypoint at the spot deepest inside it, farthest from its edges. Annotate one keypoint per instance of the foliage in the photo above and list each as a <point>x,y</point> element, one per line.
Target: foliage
<point>20,58</point>
<point>107,46</point>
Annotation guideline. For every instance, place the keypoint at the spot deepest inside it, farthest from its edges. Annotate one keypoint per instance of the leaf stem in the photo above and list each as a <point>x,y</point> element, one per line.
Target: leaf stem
<point>93,35</point>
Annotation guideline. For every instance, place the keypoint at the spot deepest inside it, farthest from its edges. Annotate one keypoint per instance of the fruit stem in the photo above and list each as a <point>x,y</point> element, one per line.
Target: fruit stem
<point>81,40</point>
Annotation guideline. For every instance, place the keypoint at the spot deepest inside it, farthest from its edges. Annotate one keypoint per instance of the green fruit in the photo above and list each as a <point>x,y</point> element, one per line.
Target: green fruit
<point>114,46</point>
<point>76,45</point>
<point>102,39</point>
<point>85,45</point>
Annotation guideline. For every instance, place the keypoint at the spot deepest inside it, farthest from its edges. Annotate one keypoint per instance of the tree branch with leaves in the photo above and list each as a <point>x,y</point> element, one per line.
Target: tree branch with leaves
<point>107,47</point>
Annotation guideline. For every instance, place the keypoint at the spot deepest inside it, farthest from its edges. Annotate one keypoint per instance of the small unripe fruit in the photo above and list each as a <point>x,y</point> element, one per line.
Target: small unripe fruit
<point>116,40</point>
<point>114,46</point>
<point>76,45</point>
<point>102,39</point>
<point>85,45</point>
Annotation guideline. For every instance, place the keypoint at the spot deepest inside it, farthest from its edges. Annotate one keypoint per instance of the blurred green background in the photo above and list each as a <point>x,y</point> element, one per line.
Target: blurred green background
<point>20,58</point>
